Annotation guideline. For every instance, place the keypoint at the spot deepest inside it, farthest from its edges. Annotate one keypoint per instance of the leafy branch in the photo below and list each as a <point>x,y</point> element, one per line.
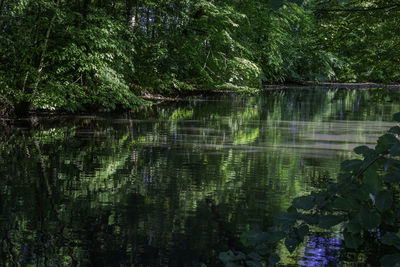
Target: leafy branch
<point>363,203</point>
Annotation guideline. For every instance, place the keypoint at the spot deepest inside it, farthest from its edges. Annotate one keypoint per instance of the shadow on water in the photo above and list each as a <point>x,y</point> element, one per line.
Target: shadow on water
<point>175,185</point>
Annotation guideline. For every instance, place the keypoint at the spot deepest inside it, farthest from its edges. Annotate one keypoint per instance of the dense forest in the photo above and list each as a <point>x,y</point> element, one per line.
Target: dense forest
<point>90,55</point>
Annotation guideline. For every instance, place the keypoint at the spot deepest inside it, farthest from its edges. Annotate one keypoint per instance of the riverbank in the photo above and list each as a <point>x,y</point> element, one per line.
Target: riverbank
<point>333,85</point>
<point>157,99</point>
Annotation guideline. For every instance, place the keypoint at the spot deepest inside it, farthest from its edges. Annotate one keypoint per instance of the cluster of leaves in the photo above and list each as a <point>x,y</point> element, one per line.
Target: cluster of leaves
<point>364,33</point>
<point>363,202</point>
<point>85,54</point>
<point>65,55</point>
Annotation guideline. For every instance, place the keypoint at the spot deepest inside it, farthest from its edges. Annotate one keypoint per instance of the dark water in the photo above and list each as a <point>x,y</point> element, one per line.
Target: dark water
<point>176,184</point>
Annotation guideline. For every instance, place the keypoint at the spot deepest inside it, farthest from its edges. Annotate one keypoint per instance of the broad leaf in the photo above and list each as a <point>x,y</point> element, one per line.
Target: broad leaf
<point>365,151</point>
<point>352,240</point>
<point>354,226</point>
<point>390,260</point>
<point>291,243</point>
<point>385,142</point>
<point>254,264</point>
<point>229,256</point>
<point>371,181</point>
<point>351,165</point>
<point>329,220</point>
<point>286,220</point>
<point>302,231</point>
<point>345,204</point>
<point>304,202</point>
<point>392,177</point>
<point>396,117</point>
<point>395,130</point>
<point>395,150</point>
<point>383,200</point>
<point>369,218</point>
<point>391,239</point>
<point>273,259</point>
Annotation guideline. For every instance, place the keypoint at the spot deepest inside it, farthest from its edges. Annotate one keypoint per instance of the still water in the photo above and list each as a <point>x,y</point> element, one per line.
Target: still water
<point>176,184</point>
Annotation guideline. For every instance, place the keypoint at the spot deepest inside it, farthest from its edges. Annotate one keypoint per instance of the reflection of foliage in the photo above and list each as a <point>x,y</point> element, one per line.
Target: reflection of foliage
<point>125,191</point>
<point>364,203</point>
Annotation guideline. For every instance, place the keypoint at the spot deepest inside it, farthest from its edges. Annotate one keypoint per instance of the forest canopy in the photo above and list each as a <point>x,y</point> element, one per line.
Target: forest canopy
<point>86,55</point>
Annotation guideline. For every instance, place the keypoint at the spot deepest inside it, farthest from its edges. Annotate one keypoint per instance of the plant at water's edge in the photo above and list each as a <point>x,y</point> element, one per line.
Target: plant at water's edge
<point>364,202</point>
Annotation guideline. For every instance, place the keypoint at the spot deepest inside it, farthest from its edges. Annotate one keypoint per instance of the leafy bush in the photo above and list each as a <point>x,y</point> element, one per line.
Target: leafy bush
<point>364,203</point>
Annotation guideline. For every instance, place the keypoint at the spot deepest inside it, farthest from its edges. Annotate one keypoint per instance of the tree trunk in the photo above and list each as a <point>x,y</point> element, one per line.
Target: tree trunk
<point>133,17</point>
<point>44,49</point>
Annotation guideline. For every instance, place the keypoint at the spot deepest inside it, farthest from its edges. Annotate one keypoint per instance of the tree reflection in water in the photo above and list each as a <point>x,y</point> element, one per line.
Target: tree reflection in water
<point>321,251</point>
<point>175,186</point>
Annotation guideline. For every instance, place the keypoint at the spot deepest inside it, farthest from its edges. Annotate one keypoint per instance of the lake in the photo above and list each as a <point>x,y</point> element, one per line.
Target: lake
<point>176,184</point>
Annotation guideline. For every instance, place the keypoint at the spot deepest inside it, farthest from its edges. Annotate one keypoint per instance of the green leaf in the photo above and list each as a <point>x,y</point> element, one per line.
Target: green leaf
<point>352,240</point>
<point>395,150</point>
<point>304,202</point>
<point>292,210</point>
<point>383,200</point>
<point>329,220</point>
<point>365,151</point>
<point>351,165</point>
<point>302,231</point>
<point>391,239</point>
<point>396,117</point>
<point>254,264</point>
<point>369,218</point>
<point>291,243</point>
<point>392,177</point>
<point>312,219</point>
<point>361,193</point>
<point>274,237</point>
<point>371,181</point>
<point>229,256</point>
<point>354,226</point>
<point>395,130</point>
<point>254,256</point>
<point>286,220</point>
<point>253,238</point>
<point>273,259</point>
<point>345,204</point>
<point>390,260</point>
<point>385,142</point>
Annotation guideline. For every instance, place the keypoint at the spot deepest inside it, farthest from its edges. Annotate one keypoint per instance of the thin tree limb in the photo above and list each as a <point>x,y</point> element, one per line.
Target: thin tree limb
<point>389,7</point>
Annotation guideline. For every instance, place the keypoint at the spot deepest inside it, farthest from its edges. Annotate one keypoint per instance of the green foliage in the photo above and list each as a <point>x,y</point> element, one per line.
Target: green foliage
<point>363,203</point>
<point>91,55</point>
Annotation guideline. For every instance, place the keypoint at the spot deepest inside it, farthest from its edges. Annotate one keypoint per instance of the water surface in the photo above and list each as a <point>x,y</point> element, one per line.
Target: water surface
<point>176,184</point>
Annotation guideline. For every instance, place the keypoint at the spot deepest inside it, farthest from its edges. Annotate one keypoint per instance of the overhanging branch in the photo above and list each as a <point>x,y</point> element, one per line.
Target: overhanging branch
<point>383,8</point>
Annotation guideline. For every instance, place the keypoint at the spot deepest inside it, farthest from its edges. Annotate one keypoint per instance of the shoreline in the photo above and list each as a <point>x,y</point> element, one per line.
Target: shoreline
<point>157,99</point>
